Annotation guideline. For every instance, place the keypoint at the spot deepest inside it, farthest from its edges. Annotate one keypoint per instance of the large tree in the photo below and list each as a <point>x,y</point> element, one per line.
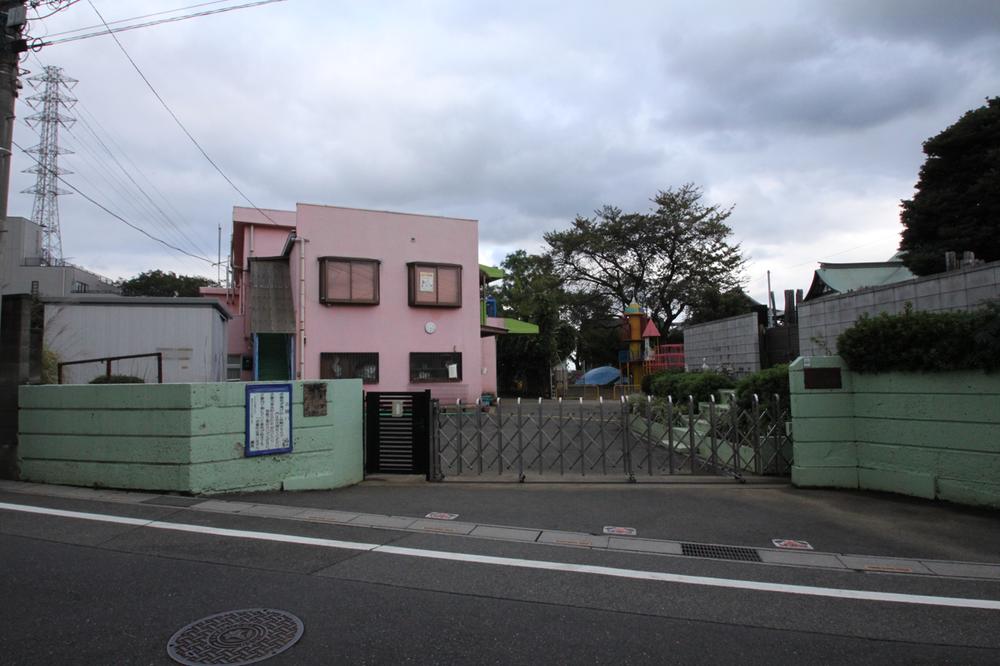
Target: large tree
<point>711,304</point>
<point>158,283</point>
<point>662,259</point>
<point>531,291</point>
<point>957,202</point>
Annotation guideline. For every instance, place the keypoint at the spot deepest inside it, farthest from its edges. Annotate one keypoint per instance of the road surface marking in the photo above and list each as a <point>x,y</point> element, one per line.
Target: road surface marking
<point>634,574</point>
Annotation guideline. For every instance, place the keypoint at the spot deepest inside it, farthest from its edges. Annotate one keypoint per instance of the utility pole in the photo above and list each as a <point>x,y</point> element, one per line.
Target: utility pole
<point>12,45</point>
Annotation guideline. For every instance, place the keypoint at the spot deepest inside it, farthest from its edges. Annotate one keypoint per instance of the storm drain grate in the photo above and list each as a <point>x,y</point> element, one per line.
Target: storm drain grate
<point>720,552</point>
<point>235,637</point>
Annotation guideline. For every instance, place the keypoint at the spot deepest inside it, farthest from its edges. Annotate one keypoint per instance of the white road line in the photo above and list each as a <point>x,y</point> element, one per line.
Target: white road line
<point>634,574</point>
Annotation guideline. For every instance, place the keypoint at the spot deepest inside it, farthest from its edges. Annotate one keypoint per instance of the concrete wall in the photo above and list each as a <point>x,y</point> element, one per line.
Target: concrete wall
<point>732,343</point>
<point>934,435</point>
<point>822,320</point>
<point>182,437</point>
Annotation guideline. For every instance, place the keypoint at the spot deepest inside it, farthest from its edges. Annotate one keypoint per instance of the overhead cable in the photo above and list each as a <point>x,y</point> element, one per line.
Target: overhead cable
<point>116,215</point>
<point>178,120</point>
<point>108,30</point>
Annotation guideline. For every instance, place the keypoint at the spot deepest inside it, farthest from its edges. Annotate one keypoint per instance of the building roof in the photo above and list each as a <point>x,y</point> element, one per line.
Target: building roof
<point>650,331</point>
<point>841,278</point>
<point>518,327</point>
<point>125,301</point>
<point>491,273</point>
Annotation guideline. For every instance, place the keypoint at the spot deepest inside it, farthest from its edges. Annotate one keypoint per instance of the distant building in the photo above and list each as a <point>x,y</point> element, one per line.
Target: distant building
<point>395,299</point>
<point>842,278</point>
<point>22,272</point>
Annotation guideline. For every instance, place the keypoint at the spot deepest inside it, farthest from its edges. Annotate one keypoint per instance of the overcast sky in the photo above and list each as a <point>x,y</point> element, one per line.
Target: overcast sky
<point>807,117</point>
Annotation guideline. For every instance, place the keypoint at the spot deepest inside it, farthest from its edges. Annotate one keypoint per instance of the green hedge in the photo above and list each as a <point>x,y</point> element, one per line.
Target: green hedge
<point>924,341</point>
<point>682,384</point>
<point>117,379</point>
<point>765,384</point>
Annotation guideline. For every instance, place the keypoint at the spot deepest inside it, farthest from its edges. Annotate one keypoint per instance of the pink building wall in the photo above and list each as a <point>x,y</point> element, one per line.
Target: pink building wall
<point>230,299</point>
<point>393,328</point>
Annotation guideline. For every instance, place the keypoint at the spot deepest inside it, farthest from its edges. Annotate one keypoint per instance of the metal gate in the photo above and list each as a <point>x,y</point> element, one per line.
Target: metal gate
<point>628,440</point>
<point>397,433</point>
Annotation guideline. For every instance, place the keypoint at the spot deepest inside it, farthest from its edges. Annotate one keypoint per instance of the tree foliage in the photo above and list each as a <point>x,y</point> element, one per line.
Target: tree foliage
<point>661,259</point>
<point>531,291</point>
<point>711,304</point>
<point>159,283</point>
<point>957,202</point>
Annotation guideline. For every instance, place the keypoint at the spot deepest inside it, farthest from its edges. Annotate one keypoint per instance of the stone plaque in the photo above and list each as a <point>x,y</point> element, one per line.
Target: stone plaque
<point>314,399</point>
<point>822,378</point>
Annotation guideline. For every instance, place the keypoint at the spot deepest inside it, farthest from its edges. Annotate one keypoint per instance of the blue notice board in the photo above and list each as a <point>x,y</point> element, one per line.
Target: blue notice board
<point>268,419</point>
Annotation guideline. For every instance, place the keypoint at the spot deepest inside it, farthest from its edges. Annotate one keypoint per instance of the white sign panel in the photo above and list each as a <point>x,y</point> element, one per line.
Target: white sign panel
<point>268,419</point>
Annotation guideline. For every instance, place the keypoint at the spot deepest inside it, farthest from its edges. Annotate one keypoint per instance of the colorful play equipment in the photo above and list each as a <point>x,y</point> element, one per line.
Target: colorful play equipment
<point>643,355</point>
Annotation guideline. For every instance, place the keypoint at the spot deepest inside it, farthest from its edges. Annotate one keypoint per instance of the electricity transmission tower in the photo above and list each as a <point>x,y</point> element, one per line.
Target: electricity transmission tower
<point>53,99</point>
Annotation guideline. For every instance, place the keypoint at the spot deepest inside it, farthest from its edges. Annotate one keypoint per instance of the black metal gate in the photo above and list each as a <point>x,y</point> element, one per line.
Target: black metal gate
<point>397,432</point>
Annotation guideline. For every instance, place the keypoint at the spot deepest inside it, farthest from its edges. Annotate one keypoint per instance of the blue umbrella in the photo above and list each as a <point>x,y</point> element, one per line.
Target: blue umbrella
<point>601,376</point>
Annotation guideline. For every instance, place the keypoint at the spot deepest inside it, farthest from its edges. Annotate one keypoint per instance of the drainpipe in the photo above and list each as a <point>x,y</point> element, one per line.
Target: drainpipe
<point>302,306</point>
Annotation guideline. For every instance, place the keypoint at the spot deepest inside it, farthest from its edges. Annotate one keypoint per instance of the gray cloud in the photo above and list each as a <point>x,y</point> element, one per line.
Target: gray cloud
<point>525,115</point>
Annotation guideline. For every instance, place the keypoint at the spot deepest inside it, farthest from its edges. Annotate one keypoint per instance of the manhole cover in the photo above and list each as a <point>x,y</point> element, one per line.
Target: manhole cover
<point>235,637</point>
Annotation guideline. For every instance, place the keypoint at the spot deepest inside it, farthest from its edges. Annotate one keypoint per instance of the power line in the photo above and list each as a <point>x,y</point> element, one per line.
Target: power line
<point>108,30</point>
<point>59,6</point>
<point>116,215</point>
<point>137,18</point>
<point>118,184</point>
<point>177,120</point>
<point>155,206</point>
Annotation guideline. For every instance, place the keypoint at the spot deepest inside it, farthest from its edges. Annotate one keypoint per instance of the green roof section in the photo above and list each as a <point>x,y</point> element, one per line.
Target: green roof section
<point>518,327</point>
<point>842,278</point>
<point>491,272</point>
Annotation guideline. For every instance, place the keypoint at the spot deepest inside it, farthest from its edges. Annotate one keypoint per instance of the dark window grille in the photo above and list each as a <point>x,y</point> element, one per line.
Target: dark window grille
<point>349,365</point>
<point>435,367</point>
<point>349,280</point>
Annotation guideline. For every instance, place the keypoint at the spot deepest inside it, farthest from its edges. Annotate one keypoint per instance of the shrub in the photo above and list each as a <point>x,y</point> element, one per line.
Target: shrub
<point>647,381</point>
<point>667,383</point>
<point>680,385</point>
<point>117,379</point>
<point>766,384</point>
<point>924,341</point>
<point>50,366</point>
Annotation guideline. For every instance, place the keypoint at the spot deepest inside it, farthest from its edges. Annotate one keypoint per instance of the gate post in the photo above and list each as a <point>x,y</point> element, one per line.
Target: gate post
<point>434,464</point>
<point>627,440</point>
<point>713,440</point>
<point>758,465</point>
<point>670,433</point>
<point>692,446</point>
<point>461,436</point>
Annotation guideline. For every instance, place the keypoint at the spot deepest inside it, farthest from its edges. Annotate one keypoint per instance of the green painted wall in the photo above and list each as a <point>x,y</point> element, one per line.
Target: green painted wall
<point>934,435</point>
<point>182,437</point>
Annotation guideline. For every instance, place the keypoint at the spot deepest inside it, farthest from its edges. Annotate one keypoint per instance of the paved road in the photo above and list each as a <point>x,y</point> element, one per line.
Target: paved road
<point>80,589</point>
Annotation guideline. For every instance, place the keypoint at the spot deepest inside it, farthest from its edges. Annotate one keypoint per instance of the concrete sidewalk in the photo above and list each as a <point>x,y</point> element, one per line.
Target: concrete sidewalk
<point>726,513</point>
<point>721,512</point>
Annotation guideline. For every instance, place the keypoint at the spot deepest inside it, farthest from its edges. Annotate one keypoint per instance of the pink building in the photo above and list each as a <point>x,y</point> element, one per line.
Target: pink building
<point>391,298</point>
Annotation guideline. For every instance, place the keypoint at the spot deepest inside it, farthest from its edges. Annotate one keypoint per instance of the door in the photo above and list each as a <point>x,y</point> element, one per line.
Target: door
<point>397,432</point>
